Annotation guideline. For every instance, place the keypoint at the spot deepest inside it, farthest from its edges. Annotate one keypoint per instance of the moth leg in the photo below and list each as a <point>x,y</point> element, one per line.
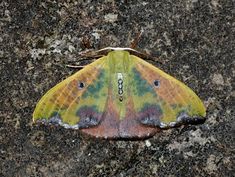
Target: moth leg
<point>136,40</point>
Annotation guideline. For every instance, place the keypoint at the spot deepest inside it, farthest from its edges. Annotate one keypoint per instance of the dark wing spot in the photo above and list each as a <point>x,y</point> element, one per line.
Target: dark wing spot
<point>81,85</point>
<point>183,118</point>
<point>157,83</point>
<point>89,116</point>
<point>120,81</point>
<point>120,98</point>
<point>151,115</point>
<point>120,91</point>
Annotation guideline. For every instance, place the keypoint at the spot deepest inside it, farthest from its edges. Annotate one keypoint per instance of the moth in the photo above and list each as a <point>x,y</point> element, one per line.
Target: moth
<point>120,96</point>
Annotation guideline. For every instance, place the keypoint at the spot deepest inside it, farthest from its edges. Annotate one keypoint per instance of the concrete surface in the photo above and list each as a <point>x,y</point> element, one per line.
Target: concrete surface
<point>193,39</point>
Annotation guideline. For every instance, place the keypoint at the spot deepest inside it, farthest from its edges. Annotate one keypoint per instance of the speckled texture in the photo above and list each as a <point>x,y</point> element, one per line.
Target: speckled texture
<point>195,41</point>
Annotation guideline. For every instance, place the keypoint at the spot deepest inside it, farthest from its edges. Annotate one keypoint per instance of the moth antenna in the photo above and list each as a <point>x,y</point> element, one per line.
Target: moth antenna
<point>90,54</point>
<point>75,66</point>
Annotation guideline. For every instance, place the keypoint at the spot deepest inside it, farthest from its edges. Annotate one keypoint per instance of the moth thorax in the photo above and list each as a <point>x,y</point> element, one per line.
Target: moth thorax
<point>120,85</point>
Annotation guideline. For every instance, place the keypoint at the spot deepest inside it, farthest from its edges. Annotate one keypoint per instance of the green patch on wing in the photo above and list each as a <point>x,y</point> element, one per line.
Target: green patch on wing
<point>54,114</point>
<point>95,88</point>
<point>142,92</point>
<point>181,108</point>
<point>141,85</point>
<point>94,97</point>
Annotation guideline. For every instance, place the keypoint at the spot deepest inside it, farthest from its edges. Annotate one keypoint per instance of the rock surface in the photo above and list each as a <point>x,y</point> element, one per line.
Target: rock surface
<point>195,41</point>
